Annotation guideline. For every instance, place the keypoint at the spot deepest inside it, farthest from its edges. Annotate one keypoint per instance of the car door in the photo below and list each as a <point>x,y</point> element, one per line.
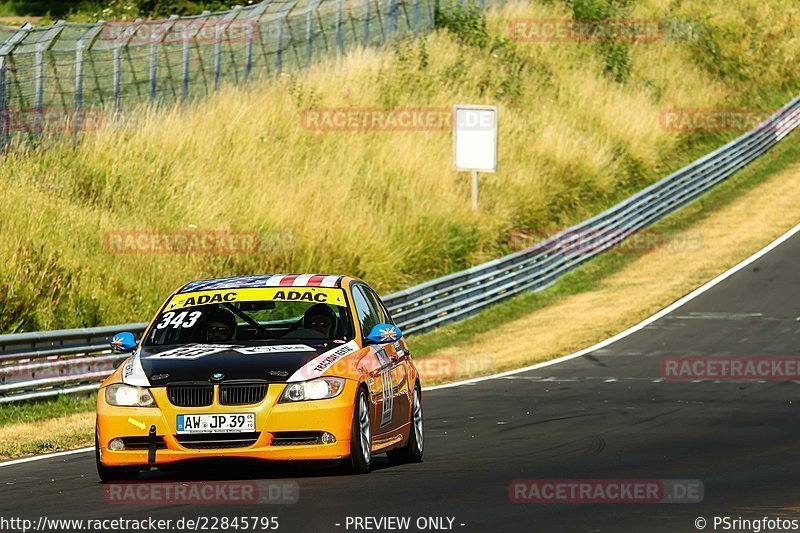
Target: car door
<point>398,357</point>
<point>383,376</point>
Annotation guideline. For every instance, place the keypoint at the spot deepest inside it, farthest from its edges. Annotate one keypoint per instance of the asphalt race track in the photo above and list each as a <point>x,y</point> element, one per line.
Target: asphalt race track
<point>607,414</point>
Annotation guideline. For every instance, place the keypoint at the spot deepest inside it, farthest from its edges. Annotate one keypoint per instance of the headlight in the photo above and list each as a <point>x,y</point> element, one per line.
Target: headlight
<point>121,395</point>
<point>316,389</point>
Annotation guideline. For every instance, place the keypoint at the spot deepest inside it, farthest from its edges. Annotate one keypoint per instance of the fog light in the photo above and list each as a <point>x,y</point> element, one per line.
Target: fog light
<point>327,438</point>
<point>116,445</point>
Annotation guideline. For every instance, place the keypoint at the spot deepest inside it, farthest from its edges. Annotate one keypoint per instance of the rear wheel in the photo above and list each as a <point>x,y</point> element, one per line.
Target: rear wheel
<point>361,436</point>
<point>112,473</point>
<point>413,451</point>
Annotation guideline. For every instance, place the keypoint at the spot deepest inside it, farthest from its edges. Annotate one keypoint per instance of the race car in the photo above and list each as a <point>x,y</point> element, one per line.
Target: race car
<point>272,367</point>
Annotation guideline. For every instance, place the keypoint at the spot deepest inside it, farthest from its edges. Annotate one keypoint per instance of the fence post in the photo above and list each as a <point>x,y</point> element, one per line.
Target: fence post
<point>185,55</point>
<point>391,11</point>
<point>253,32</point>
<point>312,5</point>
<point>366,22</point>
<point>222,28</point>
<point>84,43</point>
<point>120,42</point>
<point>5,132</point>
<point>282,13</point>
<point>38,74</point>
<point>339,22</point>
<point>5,112</point>
<point>415,19</point>
<point>154,43</point>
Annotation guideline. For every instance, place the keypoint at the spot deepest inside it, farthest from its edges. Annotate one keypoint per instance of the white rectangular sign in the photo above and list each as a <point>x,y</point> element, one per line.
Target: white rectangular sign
<point>475,137</point>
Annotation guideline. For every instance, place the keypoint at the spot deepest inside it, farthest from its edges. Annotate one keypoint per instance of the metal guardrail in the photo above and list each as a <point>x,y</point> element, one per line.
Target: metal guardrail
<point>34,365</point>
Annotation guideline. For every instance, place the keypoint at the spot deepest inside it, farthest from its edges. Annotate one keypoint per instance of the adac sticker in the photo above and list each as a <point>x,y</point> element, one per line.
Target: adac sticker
<point>323,295</point>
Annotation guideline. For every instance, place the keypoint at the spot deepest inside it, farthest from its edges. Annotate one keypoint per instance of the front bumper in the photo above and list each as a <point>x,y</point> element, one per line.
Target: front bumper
<point>334,416</point>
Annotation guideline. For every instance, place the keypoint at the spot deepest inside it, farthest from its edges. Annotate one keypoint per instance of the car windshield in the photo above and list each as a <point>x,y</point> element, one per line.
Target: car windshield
<point>253,315</point>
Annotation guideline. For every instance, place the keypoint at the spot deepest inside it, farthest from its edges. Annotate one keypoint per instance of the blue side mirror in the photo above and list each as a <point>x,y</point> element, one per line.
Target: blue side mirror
<point>123,342</point>
<point>383,333</point>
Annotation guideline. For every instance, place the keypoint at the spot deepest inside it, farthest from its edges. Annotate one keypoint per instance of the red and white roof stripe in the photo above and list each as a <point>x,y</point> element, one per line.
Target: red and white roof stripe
<point>302,280</point>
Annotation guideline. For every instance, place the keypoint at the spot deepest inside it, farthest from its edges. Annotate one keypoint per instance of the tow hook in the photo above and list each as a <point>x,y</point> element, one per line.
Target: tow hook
<point>152,443</point>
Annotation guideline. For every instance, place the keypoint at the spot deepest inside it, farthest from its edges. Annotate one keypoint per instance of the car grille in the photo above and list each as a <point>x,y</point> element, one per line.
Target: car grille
<point>242,393</point>
<point>190,395</point>
<point>218,440</point>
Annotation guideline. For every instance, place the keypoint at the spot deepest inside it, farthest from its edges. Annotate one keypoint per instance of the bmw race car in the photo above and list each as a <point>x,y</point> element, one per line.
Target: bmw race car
<point>273,367</point>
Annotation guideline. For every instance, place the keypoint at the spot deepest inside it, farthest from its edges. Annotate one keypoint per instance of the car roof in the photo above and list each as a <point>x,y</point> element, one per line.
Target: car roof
<point>267,280</point>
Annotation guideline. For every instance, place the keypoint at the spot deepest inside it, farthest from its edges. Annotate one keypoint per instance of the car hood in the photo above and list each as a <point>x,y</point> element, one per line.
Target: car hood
<point>162,365</point>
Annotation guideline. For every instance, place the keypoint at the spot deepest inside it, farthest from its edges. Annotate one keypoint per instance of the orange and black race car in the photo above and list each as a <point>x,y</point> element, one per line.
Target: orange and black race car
<point>274,367</point>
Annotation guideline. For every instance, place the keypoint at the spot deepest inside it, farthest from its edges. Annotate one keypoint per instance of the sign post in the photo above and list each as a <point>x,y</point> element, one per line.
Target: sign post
<point>475,141</point>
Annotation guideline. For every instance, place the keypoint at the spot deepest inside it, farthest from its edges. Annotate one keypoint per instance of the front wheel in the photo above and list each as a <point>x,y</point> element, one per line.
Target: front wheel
<point>361,436</point>
<point>112,473</point>
<point>413,451</point>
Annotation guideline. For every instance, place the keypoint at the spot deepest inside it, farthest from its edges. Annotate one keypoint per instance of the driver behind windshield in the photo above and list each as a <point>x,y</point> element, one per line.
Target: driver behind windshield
<point>220,325</point>
<point>320,318</point>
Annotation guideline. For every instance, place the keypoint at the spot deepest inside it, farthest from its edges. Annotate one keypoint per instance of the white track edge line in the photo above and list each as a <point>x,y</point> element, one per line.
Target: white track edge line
<point>45,456</point>
<point>633,329</point>
<point>602,344</point>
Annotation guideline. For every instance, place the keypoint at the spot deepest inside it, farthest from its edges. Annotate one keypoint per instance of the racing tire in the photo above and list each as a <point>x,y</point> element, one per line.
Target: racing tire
<point>112,473</point>
<point>413,451</point>
<point>360,461</point>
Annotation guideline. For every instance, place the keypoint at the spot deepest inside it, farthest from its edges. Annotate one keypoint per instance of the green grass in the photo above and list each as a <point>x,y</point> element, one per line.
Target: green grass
<point>588,275</point>
<point>34,411</point>
<point>92,10</point>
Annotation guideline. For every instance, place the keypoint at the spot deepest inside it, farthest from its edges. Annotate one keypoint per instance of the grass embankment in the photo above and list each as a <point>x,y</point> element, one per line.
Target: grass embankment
<point>580,129</point>
<point>610,293</point>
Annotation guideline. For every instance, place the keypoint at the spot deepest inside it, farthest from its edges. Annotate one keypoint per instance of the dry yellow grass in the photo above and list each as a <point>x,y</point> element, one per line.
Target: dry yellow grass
<point>63,433</point>
<point>386,206</point>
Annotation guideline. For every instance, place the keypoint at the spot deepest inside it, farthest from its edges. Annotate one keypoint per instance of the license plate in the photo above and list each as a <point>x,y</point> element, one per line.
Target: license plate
<point>233,423</point>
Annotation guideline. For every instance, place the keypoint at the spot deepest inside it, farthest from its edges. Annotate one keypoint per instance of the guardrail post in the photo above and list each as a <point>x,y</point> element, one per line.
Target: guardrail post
<point>84,43</point>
